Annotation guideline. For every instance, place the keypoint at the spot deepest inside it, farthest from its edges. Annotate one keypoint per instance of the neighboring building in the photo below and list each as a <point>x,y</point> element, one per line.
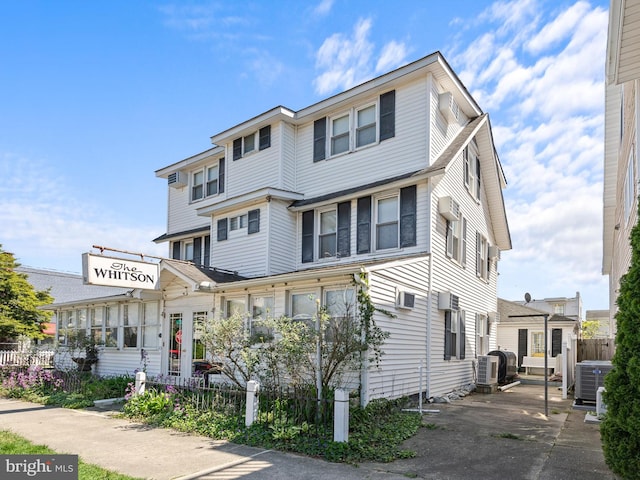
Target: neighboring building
<point>565,306</point>
<point>521,330</point>
<point>604,323</point>
<point>397,177</point>
<point>63,287</point>
<point>622,154</point>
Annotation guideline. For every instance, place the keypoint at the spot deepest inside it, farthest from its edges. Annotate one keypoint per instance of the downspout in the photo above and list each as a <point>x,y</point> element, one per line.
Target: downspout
<point>429,295</point>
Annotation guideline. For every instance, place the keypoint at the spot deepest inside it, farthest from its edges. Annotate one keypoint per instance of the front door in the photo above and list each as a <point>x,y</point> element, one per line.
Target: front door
<point>184,349</point>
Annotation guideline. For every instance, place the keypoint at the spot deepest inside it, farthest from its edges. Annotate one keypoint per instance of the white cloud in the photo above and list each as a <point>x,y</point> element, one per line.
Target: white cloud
<point>345,61</point>
<point>540,76</point>
<point>323,8</point>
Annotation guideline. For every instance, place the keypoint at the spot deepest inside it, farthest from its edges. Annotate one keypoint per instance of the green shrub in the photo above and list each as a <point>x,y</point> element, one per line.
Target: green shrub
<point>620,429</point>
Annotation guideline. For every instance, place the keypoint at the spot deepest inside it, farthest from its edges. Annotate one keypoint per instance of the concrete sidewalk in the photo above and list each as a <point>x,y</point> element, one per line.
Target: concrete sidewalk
<point>504,435</point>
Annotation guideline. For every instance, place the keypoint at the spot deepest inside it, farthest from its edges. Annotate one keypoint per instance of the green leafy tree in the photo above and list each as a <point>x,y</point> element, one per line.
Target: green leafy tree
<point>620,429</point>
<point>19,302</point>
<point>590,329</point>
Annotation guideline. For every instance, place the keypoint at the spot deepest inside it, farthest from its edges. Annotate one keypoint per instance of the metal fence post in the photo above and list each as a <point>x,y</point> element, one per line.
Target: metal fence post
<point>141,380</point>
<point>341,416</point>
<point>252,402</point>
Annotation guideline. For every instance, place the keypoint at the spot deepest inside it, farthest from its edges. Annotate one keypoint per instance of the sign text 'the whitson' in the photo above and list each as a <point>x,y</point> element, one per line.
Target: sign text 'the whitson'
<point>119,272</point>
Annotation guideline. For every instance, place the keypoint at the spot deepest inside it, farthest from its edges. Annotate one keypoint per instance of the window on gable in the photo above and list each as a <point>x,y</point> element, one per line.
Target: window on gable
<point>482,256</point>
<point>457,240</point>
<point>471,170</point>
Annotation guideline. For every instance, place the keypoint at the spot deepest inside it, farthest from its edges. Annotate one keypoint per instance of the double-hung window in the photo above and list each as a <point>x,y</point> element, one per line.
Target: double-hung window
<point>454,334</point>
<point>482,257</point>
<point>366,126</point>
<point>340,127</point>
<point>150,325</point>
<point>304,308</point>
<point>207,181</point>
<point>212,180</point>
<point>97,322</point>
<point>482,335</point>
<point>328,234</point>
<point>235,306</point>
<point>111,326</point>
<point>197,185</point>
<point>340,306</point>
<point>360,126</point>
<point>261,309</point>
<point>387,219</point>
<point>457,240</point>
<point>130,322</point>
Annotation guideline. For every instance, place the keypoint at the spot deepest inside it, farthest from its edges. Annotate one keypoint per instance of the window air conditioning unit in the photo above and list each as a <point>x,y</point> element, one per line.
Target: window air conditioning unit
<point>589,376</point>
<point>449,107</point>
<point>405,299</point>
<point>447,301</point>
<point>494,252</point>
<point>449,208</point>
<point>488,369</point>
<point>177,179</point>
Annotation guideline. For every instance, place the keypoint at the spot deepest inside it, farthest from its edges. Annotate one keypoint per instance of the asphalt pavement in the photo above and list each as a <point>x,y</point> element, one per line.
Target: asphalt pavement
<point>502,435</point>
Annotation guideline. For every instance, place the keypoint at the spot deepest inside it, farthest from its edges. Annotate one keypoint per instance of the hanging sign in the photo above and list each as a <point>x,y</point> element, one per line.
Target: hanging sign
<point>119,272</point>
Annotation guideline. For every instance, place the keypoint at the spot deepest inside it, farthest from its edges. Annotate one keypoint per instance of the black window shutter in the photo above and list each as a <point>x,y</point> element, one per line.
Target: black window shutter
<point>461,334</point>
<point>254,221</point>
<point>556,341</point>
<point>364,225</point>
<point>197,250</point>
<point>307,236</point>
<point>478,179</point>
<point>388,115</point>
<point>221,175</point>
<point>222,229</point>
<point>265,137</point>
<point>447,335</point>
<point>344,229</point>
<point>176,251</point>
<point>237,148</point>
<point>408,216</point>
<point>522,344</point>
<point>319,139</point>
<point>207,251</point>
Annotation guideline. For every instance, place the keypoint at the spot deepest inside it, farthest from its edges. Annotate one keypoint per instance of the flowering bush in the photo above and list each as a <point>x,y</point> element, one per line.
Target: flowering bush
<point>35,381</point>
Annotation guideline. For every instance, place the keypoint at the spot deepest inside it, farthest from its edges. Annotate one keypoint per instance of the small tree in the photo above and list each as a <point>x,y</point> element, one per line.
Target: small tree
<point>620,429</point>
<point>19,302</point>
<point>590,329</point>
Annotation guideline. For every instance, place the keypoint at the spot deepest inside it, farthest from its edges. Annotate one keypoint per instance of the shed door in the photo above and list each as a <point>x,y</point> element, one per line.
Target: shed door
<point>523,333</point>
<point>556,341</point>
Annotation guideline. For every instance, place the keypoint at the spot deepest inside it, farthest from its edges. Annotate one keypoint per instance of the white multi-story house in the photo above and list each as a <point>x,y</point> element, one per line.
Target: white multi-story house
<point>397,177</point>
<point>622,152</point>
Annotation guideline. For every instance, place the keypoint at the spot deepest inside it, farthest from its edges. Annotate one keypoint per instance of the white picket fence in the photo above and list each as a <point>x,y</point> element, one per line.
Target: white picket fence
<point>43,358</point>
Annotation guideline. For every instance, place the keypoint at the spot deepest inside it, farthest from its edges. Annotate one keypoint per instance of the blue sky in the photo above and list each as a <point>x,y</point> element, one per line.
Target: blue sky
<point>96,96</point>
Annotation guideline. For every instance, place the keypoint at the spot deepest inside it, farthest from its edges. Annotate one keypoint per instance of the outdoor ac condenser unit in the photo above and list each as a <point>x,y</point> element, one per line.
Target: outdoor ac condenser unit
<point>487,369</point>
<point>589,377</point>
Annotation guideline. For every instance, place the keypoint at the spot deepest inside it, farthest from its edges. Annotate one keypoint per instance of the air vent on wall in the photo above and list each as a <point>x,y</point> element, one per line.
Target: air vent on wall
<point>447,301</point>
<point>449,107</point>
<point>405,300</point>
<point>177,179</point>
<point>449,208</point>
